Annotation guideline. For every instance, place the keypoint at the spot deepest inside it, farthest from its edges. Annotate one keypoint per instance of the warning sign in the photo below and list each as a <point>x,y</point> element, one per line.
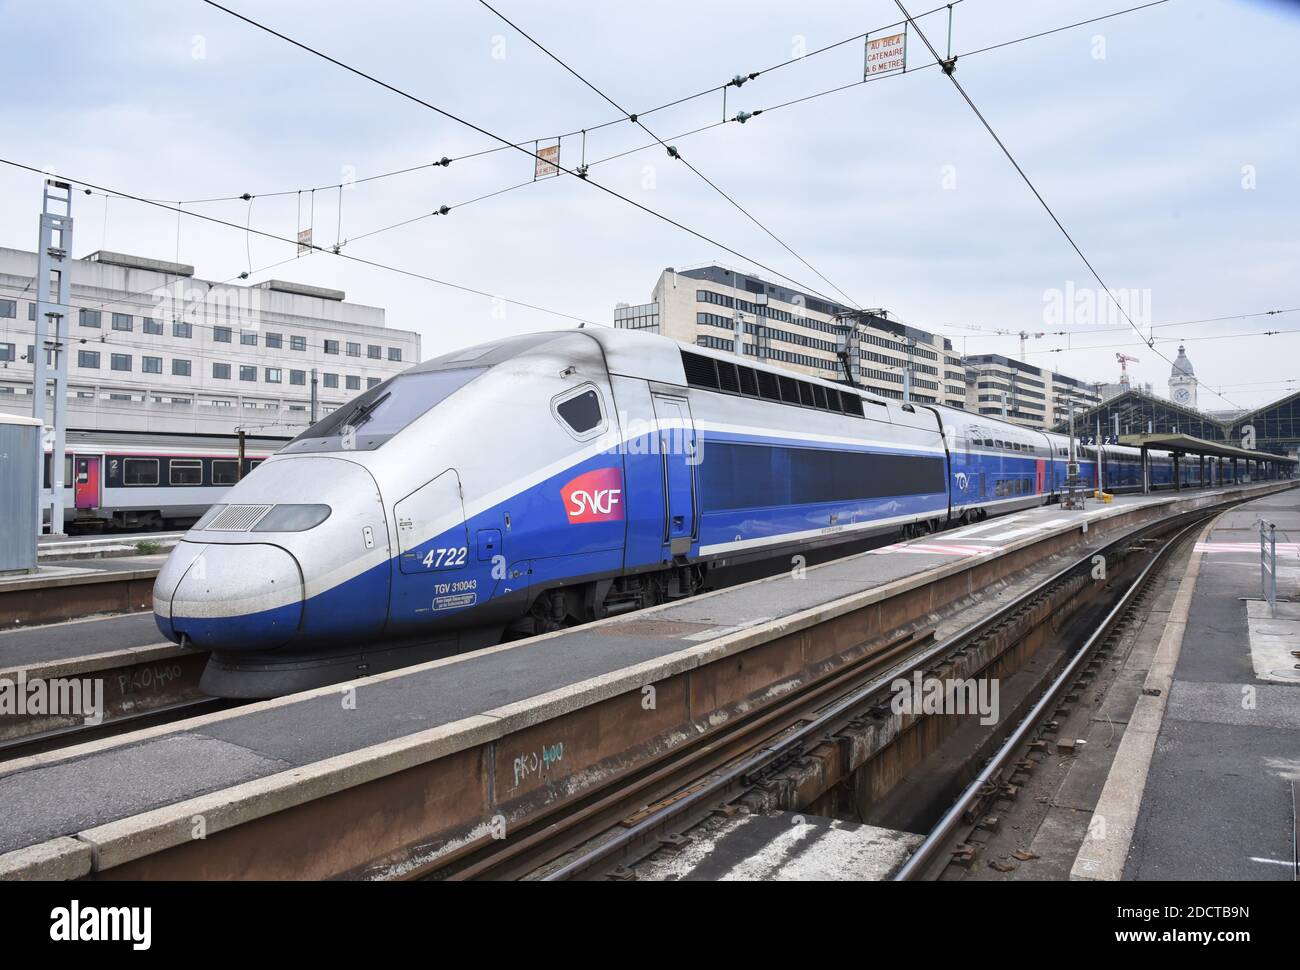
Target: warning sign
<point>885,54</point>
<point>548,159</point>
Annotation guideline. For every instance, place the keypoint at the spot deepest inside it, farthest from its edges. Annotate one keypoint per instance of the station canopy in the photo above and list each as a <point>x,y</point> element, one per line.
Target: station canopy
<point>1187,444</point>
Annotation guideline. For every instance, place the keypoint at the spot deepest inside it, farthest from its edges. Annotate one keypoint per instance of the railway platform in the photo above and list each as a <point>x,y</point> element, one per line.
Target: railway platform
<point>400,771</point>
<point>1205,782</point>
<point>73,588</point>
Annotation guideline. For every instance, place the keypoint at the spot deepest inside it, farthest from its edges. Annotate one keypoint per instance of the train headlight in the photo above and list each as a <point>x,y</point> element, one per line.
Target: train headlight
<point>293,518</point>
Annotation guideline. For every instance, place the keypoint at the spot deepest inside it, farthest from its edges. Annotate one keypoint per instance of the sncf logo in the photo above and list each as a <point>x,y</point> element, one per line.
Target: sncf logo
<point>595,496</point>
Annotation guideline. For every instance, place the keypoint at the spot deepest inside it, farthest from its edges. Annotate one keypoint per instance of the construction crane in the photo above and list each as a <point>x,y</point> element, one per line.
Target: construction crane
<point>1123,368</point>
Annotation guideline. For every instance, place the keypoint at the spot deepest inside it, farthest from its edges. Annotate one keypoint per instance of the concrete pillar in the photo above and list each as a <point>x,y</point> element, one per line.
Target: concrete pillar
<point>1146,472</point>
<point>1178,474</point>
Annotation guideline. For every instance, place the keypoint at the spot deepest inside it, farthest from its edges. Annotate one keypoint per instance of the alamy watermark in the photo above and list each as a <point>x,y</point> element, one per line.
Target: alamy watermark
<point>1088,306</point>
<point>81,697</point>
<point>952,695</point>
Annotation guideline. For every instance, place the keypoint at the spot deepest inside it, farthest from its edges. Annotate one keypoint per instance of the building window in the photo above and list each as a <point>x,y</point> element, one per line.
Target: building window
<point>247,372</point>
<point>353,382</point>
<point>221,335</point>
<point>140,471</point>
<point>248,338</point>
<point>221,372</point>
<point>31,312</point>
<point>274,341</point>
<point>88,359</point>
<point>297,377</point>
<point>299,343</point>
<point>120,361</point>
<point>150,325</point>
<point>331,346</point>
<point>371,382</point>
<point>354,350</point>
<point>331,380</point>
<point>90,318</point>
<point>123,321</point>
<point>180,367</point>
<point>9,308</point>
<point>395,354</point>
<point>374,352</point>
<point>150,365</point>
<point>185,471</point>
<point>273,375</point>
<point>7,352</point>
<point>182,329</point>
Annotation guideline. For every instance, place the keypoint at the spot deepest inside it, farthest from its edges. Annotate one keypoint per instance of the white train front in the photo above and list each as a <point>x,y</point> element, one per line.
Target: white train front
<point>547,479</point>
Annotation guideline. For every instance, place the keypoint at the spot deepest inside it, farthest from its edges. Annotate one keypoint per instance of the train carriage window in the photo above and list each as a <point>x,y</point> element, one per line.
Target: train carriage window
<point>727,378</point>
<point>185,471</point>
<point>225,471</point>
<point>701,371</point>
<point>140,471</point>
<point>768,387</point>
<point>748,382</point>
<point>789,390</point>
<point>580,412</point>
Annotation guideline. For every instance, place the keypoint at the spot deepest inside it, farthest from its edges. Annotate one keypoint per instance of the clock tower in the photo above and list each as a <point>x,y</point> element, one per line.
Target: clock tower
<point>1182,383</point>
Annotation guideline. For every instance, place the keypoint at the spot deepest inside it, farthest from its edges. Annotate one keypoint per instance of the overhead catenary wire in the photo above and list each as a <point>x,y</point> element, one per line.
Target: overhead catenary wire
<point>270,235</point>
<point>445,161</point>
<point>949,71</point>
<point>451,116</point>
<point>672,150</point>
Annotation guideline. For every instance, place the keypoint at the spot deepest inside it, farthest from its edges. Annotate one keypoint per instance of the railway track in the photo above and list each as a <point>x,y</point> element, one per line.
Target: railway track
<point>948,838</point>
<point>606,833</point>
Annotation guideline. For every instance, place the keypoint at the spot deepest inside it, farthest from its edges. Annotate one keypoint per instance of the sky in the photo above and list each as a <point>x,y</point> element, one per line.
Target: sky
<point>1166,141</point>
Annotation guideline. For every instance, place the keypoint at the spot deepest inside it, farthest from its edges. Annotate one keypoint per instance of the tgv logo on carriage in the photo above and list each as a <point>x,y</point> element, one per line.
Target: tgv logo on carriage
<point>315,568</point>
<point>594,497</point>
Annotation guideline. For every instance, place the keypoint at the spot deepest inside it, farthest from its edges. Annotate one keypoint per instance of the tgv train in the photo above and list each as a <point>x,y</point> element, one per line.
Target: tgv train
<point>541,480</point>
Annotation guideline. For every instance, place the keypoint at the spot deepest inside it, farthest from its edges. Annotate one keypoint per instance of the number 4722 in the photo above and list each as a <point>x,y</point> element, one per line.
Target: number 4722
<point>446,558</point>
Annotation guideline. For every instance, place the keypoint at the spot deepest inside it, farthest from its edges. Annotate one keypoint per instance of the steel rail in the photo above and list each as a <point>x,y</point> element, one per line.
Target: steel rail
<point>925,856</point>
<point>833,718</point>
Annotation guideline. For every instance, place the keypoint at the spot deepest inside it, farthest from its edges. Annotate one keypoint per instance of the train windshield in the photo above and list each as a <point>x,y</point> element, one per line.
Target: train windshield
<point>366,422</point>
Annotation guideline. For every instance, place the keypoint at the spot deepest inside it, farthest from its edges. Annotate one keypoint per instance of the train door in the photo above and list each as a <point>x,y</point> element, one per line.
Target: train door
<point>678,454</point>
<point>87,482</point>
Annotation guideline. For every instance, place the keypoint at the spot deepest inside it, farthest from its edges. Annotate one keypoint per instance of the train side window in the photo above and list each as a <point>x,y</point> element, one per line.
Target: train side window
<point>185,471</point>
<point>580,412</point>
<point>225,471</point>
<point>140,471</point>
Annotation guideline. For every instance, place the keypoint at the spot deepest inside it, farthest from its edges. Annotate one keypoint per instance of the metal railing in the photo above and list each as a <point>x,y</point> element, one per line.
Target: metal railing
<point>1268,564</point>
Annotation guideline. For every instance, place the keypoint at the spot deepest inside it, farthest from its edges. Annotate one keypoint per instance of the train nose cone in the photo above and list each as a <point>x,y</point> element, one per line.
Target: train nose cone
<point>239,596</point>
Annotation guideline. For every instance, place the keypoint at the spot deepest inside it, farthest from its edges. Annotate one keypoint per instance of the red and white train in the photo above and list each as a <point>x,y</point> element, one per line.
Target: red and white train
<point>130,480</point>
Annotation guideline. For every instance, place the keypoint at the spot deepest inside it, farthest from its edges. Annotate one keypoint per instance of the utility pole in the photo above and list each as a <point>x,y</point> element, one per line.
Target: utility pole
<point>738,324</point>
<point>314,401</point>
<point>907,373</point>
<point>848,344</point>
<point>53,306</point>
<point>1072,498</point>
